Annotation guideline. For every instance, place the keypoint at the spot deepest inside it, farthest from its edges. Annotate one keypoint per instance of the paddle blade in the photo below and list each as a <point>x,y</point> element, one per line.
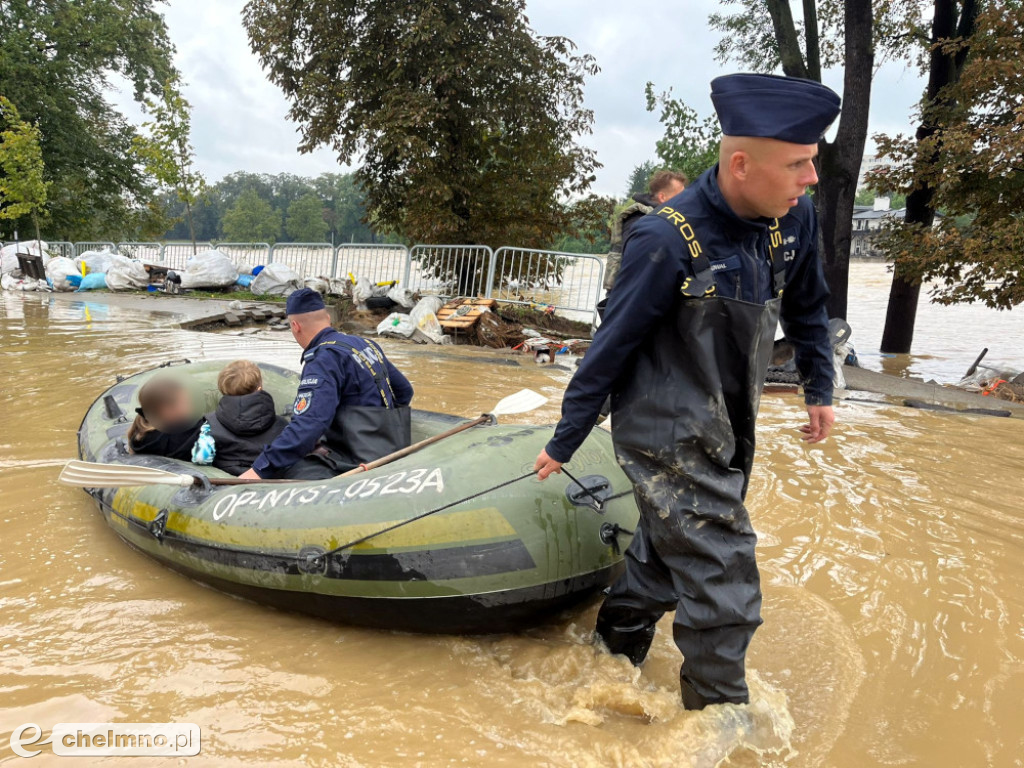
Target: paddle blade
<point>87,474</point>
<point>522,401</point>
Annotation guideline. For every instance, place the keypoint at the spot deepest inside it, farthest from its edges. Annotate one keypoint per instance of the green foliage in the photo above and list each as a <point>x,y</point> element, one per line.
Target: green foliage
<point>638,179</point>
<point>591,226</point>
<point>867,195</point>
<point>56,60</point>
<point>465,120</point>
<point>690,144</point>
<point>251,220</point>
<point>967,157</point>
<point>305,222</point>
<point>166,152</point>
<point>22,186</point>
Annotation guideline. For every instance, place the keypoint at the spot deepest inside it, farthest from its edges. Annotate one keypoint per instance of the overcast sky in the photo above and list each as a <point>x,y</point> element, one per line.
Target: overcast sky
<point>239,119</point>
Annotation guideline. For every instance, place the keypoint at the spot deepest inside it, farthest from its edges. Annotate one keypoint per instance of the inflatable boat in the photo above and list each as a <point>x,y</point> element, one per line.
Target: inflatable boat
<point>459,537</point>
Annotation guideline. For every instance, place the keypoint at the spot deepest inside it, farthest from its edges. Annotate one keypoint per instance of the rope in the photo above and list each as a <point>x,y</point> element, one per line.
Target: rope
<point>420,516</point>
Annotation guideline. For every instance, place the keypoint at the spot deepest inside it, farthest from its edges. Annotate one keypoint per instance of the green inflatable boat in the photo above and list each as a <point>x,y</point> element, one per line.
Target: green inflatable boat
<point>486,552</point>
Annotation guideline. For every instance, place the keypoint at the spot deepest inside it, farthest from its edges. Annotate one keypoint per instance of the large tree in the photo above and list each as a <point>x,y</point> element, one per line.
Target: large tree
<point>56,61</point>
<point>252,220</point>
<point>966,157</point>
<point>166,149</point>
<point>464,119</point>
<point>690,144</point>
<point>305,220</point>
<point>765,35</point>
<point>22,184</point>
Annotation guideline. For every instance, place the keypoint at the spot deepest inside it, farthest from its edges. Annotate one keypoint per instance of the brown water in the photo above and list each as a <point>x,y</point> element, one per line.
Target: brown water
<point>892,559</point>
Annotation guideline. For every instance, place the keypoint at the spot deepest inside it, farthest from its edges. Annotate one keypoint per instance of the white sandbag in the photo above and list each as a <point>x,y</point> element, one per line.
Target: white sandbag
<point>424,318</point>
<point>276,280</point>
<point>402,297</point>
<point>12,283</point>
<point>58,269</point>
<point>9,254</point>
<point>95,261</point>
<point>318,284</point>
<point>337,287</point>
<point>209,269</point>
<point>126,274</point>
<point>397,325</point>
<point>361,291</point>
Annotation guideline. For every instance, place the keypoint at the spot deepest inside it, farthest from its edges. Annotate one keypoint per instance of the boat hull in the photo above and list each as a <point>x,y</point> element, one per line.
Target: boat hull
<point>487,555</point>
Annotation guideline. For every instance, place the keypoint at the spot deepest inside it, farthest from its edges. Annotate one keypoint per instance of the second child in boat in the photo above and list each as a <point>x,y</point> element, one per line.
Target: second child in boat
<point>164,422</point>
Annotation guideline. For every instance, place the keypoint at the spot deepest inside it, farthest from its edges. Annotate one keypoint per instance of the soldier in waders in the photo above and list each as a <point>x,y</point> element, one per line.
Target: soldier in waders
<point>683,351</point>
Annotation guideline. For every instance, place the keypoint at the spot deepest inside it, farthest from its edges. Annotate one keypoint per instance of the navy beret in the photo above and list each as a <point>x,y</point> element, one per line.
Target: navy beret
<point>774,107</point>
<point>304,300</point>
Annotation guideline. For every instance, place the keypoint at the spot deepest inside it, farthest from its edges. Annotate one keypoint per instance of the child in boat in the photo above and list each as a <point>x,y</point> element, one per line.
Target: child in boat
<point>245,421</point>
<point>164,424</point>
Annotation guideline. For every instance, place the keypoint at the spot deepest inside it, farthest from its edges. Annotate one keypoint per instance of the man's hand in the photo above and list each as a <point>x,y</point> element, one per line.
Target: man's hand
<point>821,420</point>
<point>249,475</point>
<point>545,466</point>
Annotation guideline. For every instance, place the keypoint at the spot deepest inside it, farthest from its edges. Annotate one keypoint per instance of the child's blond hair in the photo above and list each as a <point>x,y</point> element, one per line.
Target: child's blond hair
<point>240,378</point>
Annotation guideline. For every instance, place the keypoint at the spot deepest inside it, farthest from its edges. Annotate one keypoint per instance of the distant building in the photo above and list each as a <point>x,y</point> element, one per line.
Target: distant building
<point>867,221</point>
<point>870,163</point>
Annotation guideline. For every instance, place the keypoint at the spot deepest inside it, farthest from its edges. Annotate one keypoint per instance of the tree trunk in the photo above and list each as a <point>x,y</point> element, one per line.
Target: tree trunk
<point>943,69</point>
<point>839,160</point>
<point>191,227</point>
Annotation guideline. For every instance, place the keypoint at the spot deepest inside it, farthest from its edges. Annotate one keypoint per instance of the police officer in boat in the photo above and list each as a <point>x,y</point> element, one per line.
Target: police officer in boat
<point>683,351</point>
<point>352,405</point>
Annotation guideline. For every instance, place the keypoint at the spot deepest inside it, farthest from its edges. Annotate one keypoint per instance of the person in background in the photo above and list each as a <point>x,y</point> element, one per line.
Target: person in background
<point>350,396</point>
<point>245,421</point>
<point>164,422</point>
<point>661,186</point>
<point>683,351</point>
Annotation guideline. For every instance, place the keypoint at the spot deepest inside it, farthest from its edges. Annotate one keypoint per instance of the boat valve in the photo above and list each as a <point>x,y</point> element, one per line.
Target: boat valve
<point>610,535</point>
<point>312,560</point>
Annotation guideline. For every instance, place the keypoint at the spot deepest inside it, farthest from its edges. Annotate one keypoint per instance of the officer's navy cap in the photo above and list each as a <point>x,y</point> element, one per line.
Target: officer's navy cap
<point>304,300</point>
<point>774,107</point>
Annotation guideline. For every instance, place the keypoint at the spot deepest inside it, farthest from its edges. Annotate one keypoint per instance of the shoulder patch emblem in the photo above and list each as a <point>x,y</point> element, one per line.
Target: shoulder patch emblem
<point>302,402</point>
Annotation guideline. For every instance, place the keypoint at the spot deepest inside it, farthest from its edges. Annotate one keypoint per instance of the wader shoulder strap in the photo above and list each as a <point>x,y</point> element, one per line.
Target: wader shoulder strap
<point>702,283</point>
<point>778,258</point>
<point>375,367</point>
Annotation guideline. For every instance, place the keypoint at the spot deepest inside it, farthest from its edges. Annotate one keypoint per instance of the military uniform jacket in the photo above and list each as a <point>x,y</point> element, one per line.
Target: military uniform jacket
<point>658,260</point>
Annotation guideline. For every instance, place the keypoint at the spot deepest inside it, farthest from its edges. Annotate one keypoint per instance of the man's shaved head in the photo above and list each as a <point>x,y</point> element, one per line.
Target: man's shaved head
<point>764,177</point>
<point>306,325</point>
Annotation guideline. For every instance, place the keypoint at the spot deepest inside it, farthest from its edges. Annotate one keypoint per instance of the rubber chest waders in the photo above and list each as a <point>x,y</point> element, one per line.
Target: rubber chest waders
<point>363,433</point>
<point>683,427</point>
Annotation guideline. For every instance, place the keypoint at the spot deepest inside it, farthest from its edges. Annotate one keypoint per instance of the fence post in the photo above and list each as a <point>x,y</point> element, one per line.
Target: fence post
<point>489,288</point>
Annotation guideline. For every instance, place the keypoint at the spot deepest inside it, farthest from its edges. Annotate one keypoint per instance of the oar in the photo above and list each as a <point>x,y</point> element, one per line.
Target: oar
<point>522,401</point>
<point>89,474</point>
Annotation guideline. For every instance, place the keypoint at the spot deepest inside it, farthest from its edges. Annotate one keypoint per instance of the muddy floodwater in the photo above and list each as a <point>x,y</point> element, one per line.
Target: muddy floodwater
<point>892,559</point>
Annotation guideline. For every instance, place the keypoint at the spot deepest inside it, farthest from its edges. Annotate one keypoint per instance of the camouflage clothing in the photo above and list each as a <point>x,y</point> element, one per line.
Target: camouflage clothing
<point>621,224</point>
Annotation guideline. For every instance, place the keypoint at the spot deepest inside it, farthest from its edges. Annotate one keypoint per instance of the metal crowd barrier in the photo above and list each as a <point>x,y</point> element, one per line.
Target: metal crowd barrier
<point>175,255</point>
<point>449,270</point>
<point>567,281</point>
<point>99,245</point>
<point>379,262</point>
<point>308,259</point>
<point>147,252</point>
<point>249,253</point>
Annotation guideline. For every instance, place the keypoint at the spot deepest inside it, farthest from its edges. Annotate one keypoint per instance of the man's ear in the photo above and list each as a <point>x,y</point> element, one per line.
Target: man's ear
<point>739,164</point>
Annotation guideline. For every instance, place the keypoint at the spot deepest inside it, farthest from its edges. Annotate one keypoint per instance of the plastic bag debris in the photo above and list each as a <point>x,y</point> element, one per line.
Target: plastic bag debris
<point>58,270</point>
<point>94,261</point>
<point>9,254</point>
<point>126,274</point>
<point>276,280</point>
<point>424,318</point>
<point>397,325</point>
<point>209,269</point>
<point>318,284</point>
<point>12,283</point>
<point>93,281</point>
<point>402,297</point>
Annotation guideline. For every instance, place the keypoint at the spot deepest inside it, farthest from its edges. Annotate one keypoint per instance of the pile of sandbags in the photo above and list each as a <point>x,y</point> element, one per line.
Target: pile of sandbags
<point>209,269</point>
<point>421,324</point>
<point>276,279</point>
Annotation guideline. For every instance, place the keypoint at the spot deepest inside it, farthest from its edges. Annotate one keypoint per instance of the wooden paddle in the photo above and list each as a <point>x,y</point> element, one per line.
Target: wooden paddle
<point>88,474</point>
<point>522,401</point>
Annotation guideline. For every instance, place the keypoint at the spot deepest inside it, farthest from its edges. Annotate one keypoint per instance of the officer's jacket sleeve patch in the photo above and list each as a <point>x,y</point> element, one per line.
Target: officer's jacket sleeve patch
<point>302,402</point>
